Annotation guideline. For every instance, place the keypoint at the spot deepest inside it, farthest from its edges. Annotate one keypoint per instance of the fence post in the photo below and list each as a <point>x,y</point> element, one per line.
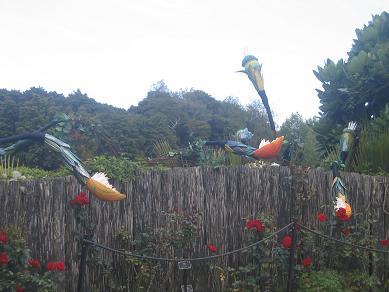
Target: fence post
<point>385,271</point>
<point>291,258</point>
<point>81,268</point>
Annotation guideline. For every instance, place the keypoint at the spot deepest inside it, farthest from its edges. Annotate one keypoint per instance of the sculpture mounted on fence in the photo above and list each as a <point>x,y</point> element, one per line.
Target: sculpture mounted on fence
<point>265,150</point>
<point>97,184</point>
<point>339,190</point>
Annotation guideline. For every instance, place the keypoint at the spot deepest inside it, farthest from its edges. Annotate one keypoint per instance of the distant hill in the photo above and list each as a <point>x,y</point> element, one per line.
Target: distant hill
<point>95,128</point>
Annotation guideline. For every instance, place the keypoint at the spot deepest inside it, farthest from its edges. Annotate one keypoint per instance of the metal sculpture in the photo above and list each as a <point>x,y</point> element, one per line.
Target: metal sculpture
<point>243,135</point>
<point>97,184</point>
<point>266,150</point>
<point>253,70</point>
<point>339,190</point>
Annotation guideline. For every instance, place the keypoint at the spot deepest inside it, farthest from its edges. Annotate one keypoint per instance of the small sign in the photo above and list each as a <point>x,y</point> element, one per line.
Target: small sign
<point>189,288</point>
<point>184,265</point>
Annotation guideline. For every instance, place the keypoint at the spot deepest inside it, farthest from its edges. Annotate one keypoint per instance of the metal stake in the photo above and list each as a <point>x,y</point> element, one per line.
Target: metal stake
<point>291,258</point>
<point>81,268</point>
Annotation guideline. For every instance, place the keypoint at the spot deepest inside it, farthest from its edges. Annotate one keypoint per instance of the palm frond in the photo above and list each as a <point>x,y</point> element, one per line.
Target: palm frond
<point>8,165</point>
<point>162,148</point>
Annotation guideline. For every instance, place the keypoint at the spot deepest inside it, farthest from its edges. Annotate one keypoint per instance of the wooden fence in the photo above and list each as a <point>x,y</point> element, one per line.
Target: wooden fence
<point>223,197</point>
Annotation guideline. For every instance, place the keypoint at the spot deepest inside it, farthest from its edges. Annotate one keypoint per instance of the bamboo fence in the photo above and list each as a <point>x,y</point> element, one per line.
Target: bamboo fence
<point>222,197</point>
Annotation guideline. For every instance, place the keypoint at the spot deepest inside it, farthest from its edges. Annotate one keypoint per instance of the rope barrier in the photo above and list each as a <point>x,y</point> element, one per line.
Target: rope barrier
<point>206,258</point>
<point>341,241</point>
<point>143,257</point>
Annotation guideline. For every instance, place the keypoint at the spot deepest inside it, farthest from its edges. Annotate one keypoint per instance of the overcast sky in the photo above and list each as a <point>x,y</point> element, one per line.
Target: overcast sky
<point>116,50</point>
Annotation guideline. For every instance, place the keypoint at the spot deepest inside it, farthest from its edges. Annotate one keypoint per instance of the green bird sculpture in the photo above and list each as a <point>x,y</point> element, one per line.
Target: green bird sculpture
<point>253,70</point>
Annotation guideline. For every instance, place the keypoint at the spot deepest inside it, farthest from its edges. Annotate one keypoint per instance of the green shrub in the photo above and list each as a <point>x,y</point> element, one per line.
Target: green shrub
<point>117,168</point>
<point>316,281</point>
<point>357,281</point>
<point>36,173</point>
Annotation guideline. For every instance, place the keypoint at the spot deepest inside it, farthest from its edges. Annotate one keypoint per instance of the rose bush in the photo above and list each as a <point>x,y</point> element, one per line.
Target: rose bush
<point>19,271</point>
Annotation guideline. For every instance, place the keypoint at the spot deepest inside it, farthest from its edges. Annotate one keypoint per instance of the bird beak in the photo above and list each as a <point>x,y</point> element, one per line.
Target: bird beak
<point>241,71</point>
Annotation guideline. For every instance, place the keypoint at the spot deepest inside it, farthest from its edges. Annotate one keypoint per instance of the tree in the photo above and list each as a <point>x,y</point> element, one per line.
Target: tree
<point>99,129</point>
<point>356,89</point>
<point>302,140</point>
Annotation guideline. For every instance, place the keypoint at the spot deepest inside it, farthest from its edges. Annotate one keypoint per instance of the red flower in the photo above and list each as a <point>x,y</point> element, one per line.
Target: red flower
<point>34,263</point>
<point>384,242</point>
<point>3,258</point>
<point>212,248</point>
<point>255,223</point>
<point>80,199</point>
<point>51,266</point>
<point>3,237</point>
<point>346,231</point>
<point>260,227</point>
<point>18,288</point>
<point>322,217</point>
<point>287,241</point>
<point>307,262</point>
<point>60,266</point>
<point>341,214</point>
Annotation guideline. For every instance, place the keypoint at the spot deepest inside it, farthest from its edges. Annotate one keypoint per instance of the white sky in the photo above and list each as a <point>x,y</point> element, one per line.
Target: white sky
<point>116,50</point>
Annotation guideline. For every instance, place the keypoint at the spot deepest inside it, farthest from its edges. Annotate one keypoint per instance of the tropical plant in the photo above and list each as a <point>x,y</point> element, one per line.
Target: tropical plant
<point>356,89</point>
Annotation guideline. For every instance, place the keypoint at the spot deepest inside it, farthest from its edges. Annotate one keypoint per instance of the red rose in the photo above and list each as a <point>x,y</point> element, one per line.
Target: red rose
<point>307,262</point>
<point>3,237</point>
<point>346,231</point>
<point>3,258</point>
<point>34,263</point>
<point>384,242</point>
<point>322,217</point>
<point>212,248</point>
<point>51,266</point>
<point>60,266</point>
<point>255,223</point>
<point>287,241</point>
<point>19,289</point>
<point>80,199</point>
<point>250,224</point>
<point>341,214</point>
<point>260,227</point>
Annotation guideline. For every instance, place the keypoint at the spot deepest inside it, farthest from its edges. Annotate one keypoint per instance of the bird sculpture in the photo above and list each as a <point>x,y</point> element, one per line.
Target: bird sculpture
<point>253,70</point>
<point>97,184</point>
<point>266,150</point>
<point>339,190</point>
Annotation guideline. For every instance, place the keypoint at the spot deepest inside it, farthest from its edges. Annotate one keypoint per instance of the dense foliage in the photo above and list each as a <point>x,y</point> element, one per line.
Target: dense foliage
<point>301,139</point>
<point>100,129</point>
<point>356,89</point>
<point>372,152</point>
